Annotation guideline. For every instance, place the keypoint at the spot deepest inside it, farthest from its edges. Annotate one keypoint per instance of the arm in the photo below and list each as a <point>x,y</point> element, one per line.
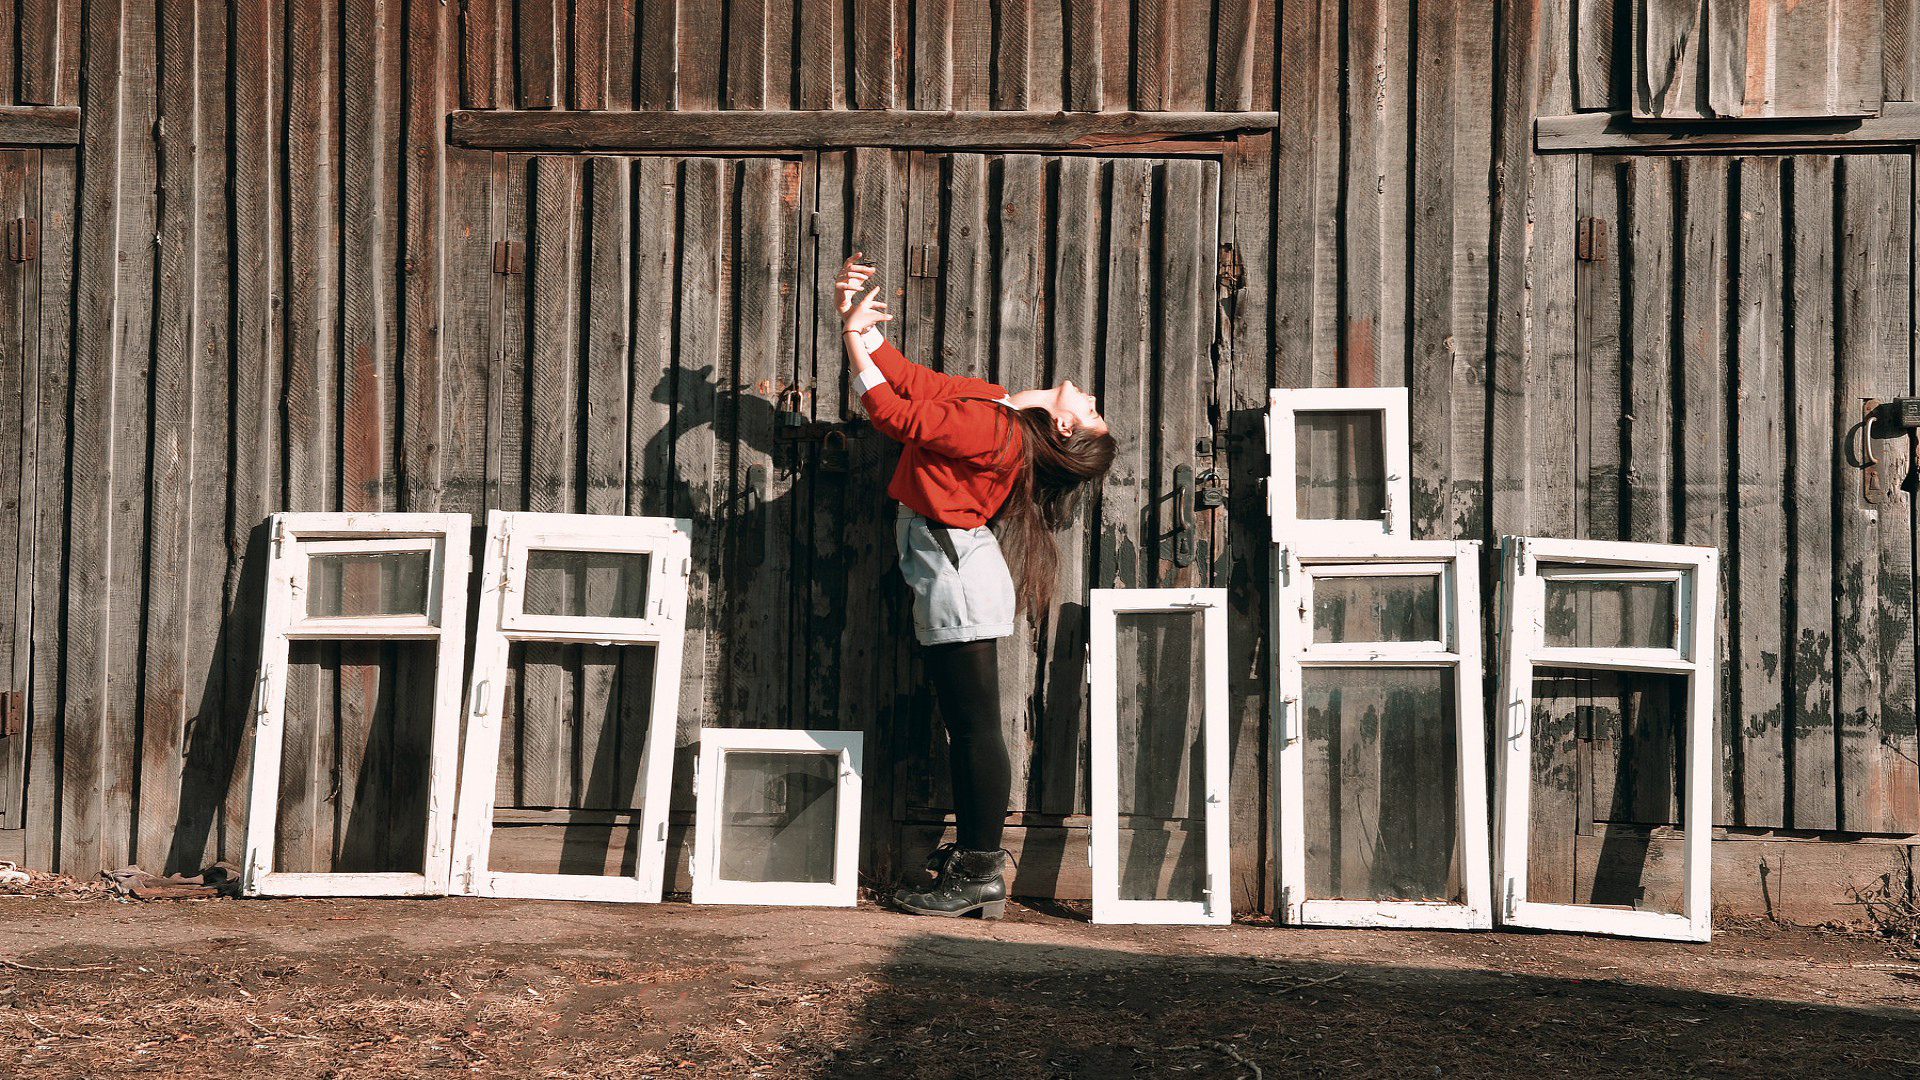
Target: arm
<point>872,358</point>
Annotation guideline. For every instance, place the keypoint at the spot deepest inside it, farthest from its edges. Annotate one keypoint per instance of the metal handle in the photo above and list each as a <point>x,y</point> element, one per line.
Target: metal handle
<point>1516,720</point>
<point>1183,529</point>
<point>757,517</point>
<point>1290,719</point>
<point>480,698</point>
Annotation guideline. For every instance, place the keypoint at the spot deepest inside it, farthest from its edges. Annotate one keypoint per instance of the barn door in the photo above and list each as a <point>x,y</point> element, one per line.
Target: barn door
<point>1734,312</point>
<point>1029,269</point>
<point>648,318</point>
<point>19,328</point>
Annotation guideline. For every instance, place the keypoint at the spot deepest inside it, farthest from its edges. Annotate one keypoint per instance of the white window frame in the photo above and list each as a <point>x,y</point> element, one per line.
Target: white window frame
<point>1283,500</point>
<point>1457,565</point>
<point>1103,846</point>
<point>1523,588</point>
<point>294,536</point>
<point>709,783</point>
<point>511,536</point>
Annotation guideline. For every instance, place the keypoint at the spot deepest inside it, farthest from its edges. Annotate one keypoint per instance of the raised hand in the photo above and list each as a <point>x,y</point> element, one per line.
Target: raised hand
<point>853,277</point>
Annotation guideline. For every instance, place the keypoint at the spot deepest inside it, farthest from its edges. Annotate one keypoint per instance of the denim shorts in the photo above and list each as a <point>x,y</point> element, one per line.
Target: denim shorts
<point>959,580</point>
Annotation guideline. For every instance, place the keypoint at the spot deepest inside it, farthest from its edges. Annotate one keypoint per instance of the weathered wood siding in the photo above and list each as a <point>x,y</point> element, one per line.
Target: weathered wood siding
<point>266,282</point>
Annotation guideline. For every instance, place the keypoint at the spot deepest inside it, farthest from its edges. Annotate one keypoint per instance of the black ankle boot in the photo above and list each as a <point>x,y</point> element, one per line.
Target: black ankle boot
<point>971,883</point>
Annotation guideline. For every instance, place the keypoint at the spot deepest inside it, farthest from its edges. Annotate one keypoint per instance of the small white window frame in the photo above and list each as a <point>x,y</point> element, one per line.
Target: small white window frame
<point>293,536</point>
<point>1523,590</point>
<point>1457,565</point>
<point>1103,842</point>
<point>511,535</point>
<point>709,783</point>
<point>1283,503</point>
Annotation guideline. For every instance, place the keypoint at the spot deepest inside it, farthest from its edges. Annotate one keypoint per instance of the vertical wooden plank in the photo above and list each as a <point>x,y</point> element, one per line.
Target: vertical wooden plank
<point>702,40</point>
<point>971,48</point>
<point>538,26</point>
<point>312,303</point>
<point>1018,333</point>
<point>1153,54</point>
<point>873,75</point>
<point>1117,46</point>
<point>1187,258</point>
<point>965,309</point>
<point>1307,333</point>
<point>604,329</point>
<point>782,28</point>
<point>1593,39</point>
<point>700,365</point>
<point>1086,68</point>
<point>1879,781</point>
<point>1690,59</point>
<point>1474,159</point>
<point>1648,458</point>
<point>423,332</point>
<point>371,204</point>
<point>1237,37</point>
<point>748,46</point>
<point>820,64</point>
<point>507,387</point>
<point>300,846</point>
<point>480,24</point>
<point>1701,395</point>
<point>1125,552</point>
<point>588,22</point>
<point>657,86</point>
<point>1047,45</point>
<point>648,423</point>
<point>933,73</point>
<point>469,333</point>
<point>9,36</point>
<point>1604,285</point>
<point>1373,335</point>
<point>1190,55</point>
<point>1812,344</point>
<point>49,57</point>
<point>623,24</point>
<point>1758,604</point>
<point>18,399</point>
<point>1900,49</point>
<point>1507,443</point>
<point>1431,247</point>
<point>1013,54</point>
<point>53,485</point>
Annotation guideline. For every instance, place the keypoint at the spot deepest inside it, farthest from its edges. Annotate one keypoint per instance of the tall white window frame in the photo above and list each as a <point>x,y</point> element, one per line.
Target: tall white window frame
<point>295,538</point>
<point>512,537</point>
<point>1283,500</point>
<point>1694,573</point>
<point>1103,850</point>
<point>709,887</point>
<point>1457,649</point>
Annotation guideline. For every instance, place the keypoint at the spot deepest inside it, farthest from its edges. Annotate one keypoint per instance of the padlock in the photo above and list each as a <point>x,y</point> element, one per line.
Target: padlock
<point>835,456</point>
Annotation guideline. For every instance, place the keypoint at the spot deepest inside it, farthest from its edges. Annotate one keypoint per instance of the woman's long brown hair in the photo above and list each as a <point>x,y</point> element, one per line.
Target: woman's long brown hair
<point>1054,471</point>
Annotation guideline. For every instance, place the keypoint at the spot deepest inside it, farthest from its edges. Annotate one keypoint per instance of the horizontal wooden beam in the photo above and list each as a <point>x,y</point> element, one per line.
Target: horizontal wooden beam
<point>1616,133</point>
<point>39,125</point>
<point>823,129</point>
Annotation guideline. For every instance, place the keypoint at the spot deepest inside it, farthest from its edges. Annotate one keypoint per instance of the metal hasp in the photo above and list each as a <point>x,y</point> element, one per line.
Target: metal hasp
<point>1880,419</point>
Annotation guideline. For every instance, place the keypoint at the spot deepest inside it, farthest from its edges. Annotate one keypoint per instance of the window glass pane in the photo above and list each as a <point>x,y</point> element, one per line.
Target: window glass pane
<point>1382,784</point>
<point>359,586</point>
<point>1610,614</point>
<point>353,774</point>
<point>587,584</point>
<point>1162,782</point>
<point>1607,776</point>
<point>778,815</point>
<point>1341,463</point>
<point>1397,607</point>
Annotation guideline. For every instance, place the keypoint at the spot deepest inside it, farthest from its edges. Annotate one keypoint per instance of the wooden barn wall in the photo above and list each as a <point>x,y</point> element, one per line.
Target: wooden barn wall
<point>266,284</point>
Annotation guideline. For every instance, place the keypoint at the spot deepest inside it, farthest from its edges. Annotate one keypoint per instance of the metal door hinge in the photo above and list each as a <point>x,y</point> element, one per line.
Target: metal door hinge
<point>813,223</point>
<point>509,257</point>
<point>13,718</point>
<point>923,260</point>
<point>23,239</point>
<point>1590,240</point>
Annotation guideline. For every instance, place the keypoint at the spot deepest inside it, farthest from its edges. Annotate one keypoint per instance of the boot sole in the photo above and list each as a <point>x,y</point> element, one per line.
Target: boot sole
<point>992,909</point>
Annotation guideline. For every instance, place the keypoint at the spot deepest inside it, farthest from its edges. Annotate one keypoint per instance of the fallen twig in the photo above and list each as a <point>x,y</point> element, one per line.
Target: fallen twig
<point>1235,1055</point>
<point>4,962</point>
<point>279,1034</point>
<point>1301,986</point>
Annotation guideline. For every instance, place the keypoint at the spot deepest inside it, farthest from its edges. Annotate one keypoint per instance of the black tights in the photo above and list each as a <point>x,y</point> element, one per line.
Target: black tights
<point>966,683</point>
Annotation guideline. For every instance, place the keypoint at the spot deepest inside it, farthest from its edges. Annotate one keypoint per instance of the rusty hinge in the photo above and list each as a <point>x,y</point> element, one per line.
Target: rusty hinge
<point>1590,240</point>
<point>13,718</point>
<point>923,260</point>
<point>509,257</point>
<point>1233,272</point>
<point>23,239</point>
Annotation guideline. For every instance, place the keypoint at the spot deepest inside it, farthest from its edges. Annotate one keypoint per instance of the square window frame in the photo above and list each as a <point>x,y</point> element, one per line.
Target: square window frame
<point>708,886</point>
<point>1523,597</point>
<point>510,535</point>
<point>1283,500</point>
<point>449,538</point>
<point>1103,841</point>
<point>1460,651</point>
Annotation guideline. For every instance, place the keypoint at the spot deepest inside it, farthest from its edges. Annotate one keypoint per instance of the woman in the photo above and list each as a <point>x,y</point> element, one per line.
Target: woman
<point>972,453</point>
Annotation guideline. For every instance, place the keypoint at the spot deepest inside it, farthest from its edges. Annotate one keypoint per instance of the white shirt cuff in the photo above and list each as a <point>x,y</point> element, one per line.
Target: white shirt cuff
<point>871,338</point>
<point>867,380</point>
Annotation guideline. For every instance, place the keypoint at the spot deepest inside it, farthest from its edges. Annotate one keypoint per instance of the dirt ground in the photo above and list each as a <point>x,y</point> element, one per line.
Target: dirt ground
<point>383,988</point>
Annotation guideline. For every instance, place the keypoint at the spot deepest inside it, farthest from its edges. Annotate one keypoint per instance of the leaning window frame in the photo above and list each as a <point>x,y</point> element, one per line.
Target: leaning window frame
<point>709,784</point>
<point>1523,609</point>
<point>1457,564</point>
<point>1283,499</point>
<point>1103,846</point>
<point>293,538</point>
<point>511,537</point>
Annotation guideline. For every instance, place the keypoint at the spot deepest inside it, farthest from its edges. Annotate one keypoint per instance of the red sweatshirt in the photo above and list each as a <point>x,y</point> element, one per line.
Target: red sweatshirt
<point>962,449</point>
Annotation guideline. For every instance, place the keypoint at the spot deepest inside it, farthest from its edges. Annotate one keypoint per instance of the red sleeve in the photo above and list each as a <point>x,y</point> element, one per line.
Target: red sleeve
<point>911,380</point>
<point>967,429</point>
